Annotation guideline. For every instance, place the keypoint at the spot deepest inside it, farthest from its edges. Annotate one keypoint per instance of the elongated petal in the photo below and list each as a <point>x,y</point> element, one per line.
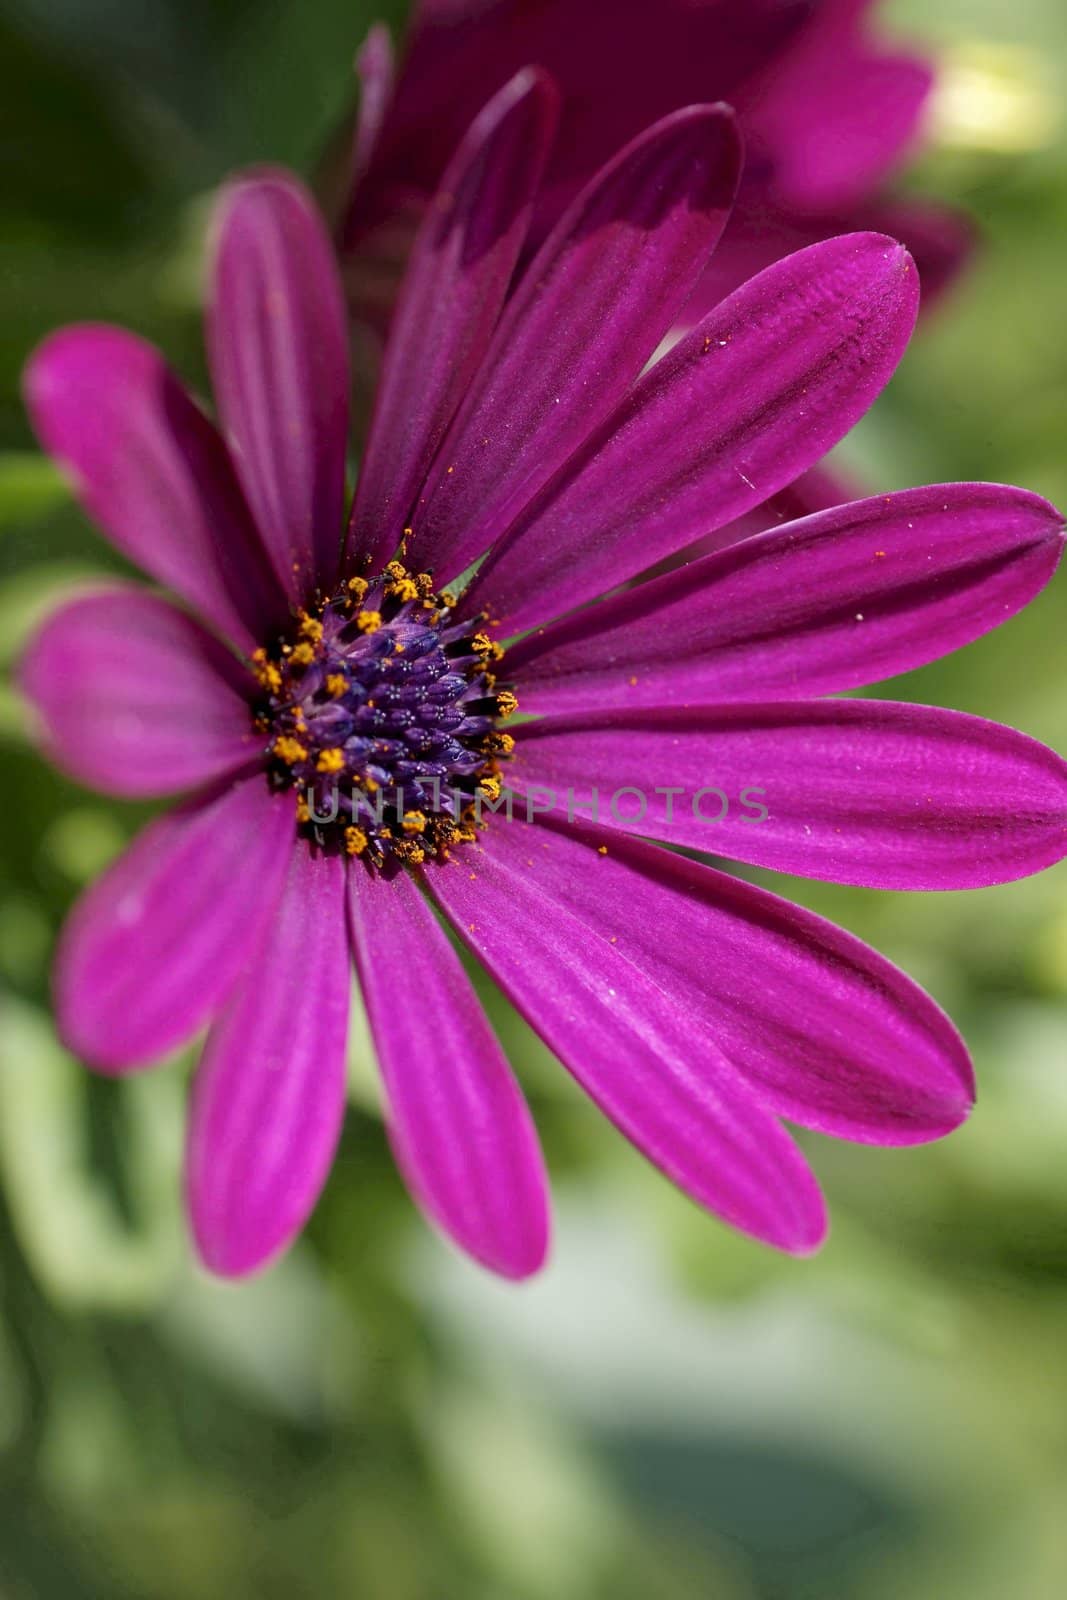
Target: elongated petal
<point>152,950</point>
<point>135,698</point>
<point>758,392</point>
<point>629,1039</point>
<point>846,597</point>
<point>588,313</point>
<point>821,488</point>
<point>150,468</point>
<point>824,1029</point>
<point>462,1133</point>
<point>855,791</point>
<point>459,273</point>
<point>278,345</point>
<point>270,1091</point>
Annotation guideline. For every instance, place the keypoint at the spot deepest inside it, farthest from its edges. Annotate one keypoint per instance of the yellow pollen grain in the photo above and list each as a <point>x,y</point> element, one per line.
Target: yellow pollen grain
<point>369,621</point>
<point>310,627</point>
<point>396,570</point>
<point>506,703</point>
<point>331,761</point>
<point>303,811</point>
<point>357,588</point>
<point>633,682</point>
<point>414,822</point>
<point>448,599</point>
<point>481,644</point>
<point>403,589</point>
<point>335,684</point>
<point>356,841</point>
<point>302,655</point>
<point>601,849</point>
<point>289,750</point>
<point>490,786</point>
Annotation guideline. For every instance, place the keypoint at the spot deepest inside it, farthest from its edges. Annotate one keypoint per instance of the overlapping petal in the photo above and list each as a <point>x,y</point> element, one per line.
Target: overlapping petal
<point>822,1028</point>
<point>269,1095</point>
<point>758,392</point>
<point>867,792</point>
<point>150,468</point>
<point>278,346</point>
<point>587,314</point>
<point>459,1125</point>
<point>135,698</point>
<point>626,1033</point>
<point>458,276</point>
<point>153,948</point>
<point>842,598</point>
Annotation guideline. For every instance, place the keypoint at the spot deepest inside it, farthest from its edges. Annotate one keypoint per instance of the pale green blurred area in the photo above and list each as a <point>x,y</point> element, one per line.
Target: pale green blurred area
<point>671,1411</point>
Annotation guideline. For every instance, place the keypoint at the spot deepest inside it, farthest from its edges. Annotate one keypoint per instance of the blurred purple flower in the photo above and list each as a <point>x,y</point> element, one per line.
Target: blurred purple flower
<point>695,1009</point>
<point>827,111</point>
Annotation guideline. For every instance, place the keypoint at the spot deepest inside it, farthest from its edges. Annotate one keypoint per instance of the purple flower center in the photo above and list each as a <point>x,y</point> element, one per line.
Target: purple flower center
<point>381,713</point>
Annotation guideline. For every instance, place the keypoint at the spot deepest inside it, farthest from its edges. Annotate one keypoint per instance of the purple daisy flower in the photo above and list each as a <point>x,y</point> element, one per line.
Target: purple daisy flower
<point>827,110</point>
<point>344,746</point>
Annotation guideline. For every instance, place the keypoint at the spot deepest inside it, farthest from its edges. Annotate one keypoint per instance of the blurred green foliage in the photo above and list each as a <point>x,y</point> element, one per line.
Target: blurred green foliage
<point>672,1411</point>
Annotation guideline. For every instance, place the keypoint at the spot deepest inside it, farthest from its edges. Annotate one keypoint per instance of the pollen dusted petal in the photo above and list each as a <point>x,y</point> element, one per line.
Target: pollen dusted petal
<point>758,392</point>
<point>823,1029</point>
<point>135,698</point>
<point>151,951</point>
<point>151,469</point>
<point>586,316</point>
<point>846,597</point>
<point>629,1036</point>
<point>868,792</point>
<point>458,276</point>
<point>269,1095</point>
<point>460,1128</point>
<point>278,345</point>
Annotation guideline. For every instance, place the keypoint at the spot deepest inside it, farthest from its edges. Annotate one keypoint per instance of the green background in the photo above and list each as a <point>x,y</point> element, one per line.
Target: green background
<point>671,1411</point>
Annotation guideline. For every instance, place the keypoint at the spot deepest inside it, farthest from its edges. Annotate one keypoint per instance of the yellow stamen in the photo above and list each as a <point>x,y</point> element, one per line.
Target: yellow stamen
<point>289,750</point>
<point>302,655</point>
<point>369,621</point>
<point>335,684</point>
<point>356,841</point>
<point>331,761</point>
<point>414,822</point>
<point>357,588</point>
<point>506,703</point>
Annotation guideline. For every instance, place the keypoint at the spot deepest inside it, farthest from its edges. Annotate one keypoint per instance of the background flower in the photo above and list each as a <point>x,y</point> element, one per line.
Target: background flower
<point>828,108</point>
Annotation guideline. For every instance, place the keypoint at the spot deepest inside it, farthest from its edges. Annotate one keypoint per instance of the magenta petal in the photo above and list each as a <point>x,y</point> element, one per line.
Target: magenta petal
<point>588,313</point>
<point>855,791</point>
<point>376,71</point>
<point>846,597</point>
<point>150,468</point>
<point>822,1028</point>
<point>135,698</point>
<point>154,947</point>
<point>278,344</point>
<point>462,1133</point>
<point>269,1095</point>
<point>836,116</point>
<point>758,392</point>
<point>629,1038</point>
<point>459,273</point>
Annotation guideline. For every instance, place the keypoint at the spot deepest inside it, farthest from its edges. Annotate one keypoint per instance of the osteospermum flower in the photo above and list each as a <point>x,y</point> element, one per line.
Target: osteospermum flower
<point>828,112</point>
<point>346,727</point>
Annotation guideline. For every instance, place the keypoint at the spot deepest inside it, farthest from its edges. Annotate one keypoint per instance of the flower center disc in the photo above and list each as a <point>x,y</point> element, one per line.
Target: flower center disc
<point>381,713</point>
